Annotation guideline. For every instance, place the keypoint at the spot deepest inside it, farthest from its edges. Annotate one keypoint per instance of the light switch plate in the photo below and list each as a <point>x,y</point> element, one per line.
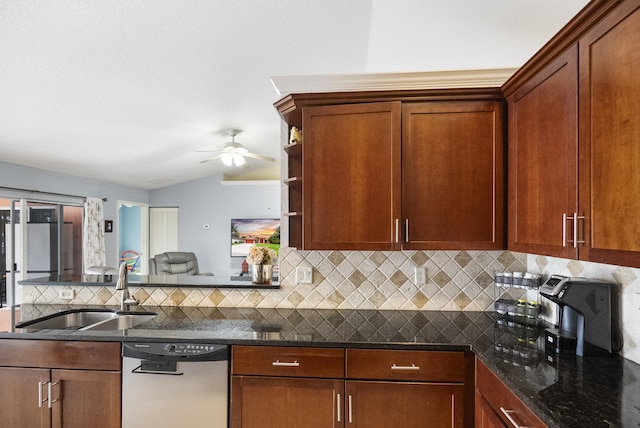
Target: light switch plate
<point>66,294</point>
<point>304,275</point>
<point>420,275</point>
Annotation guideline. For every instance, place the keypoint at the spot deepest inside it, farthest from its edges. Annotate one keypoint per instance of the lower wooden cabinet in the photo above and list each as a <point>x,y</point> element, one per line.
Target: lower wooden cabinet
<point>408,389</point>
<point>273,387</point>
<point>404,404</point>
<point>264,402</point>
<point>497,406</point>
<point>486,416</point>
<point>54,384</point>
<point>317,387</point>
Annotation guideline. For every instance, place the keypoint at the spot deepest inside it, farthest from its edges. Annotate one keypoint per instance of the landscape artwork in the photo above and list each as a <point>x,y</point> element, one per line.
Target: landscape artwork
<point>247,232</point>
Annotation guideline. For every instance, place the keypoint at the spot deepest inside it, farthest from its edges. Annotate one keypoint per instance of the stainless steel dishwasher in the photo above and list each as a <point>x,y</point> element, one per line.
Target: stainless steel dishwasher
<point>174,385</point>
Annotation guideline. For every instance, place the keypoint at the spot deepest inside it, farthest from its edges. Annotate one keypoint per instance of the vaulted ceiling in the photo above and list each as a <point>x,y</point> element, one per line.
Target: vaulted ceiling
<point>130,91</point>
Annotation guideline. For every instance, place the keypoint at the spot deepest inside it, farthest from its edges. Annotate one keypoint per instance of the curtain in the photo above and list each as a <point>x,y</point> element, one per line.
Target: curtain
<point>93,250</point>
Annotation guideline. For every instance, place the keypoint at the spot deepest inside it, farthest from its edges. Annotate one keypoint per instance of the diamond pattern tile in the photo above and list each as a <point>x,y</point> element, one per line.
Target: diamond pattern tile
<point>455,280</point>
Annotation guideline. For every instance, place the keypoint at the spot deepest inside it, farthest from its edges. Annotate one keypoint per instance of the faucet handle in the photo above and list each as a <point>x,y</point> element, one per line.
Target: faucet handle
<point>131,300</point>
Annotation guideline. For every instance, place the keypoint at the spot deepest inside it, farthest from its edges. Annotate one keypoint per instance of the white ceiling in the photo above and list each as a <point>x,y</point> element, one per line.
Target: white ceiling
<point>128,91</point>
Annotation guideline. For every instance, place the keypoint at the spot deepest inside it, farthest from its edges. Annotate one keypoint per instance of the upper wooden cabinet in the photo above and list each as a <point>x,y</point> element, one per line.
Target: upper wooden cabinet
<point>543,160</point>
<point>610,138</point>
<point>351,176</point>
<point>574,142</point>
<point>424,173</point>
<point>453,175</point>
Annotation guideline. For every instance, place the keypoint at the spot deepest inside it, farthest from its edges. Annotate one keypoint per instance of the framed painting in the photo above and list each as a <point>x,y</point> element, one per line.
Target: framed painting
<point>247,232</point>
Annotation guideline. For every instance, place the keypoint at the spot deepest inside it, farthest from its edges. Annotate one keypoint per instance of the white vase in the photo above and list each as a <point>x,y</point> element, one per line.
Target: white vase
<point>261,274</point>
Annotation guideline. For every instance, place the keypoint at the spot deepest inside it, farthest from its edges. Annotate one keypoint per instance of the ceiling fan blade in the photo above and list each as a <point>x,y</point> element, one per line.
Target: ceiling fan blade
<point>211,158</point>
<point>260,157</point>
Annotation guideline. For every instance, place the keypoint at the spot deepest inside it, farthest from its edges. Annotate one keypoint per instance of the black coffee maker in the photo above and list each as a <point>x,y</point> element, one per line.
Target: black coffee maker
<point>587,317</point>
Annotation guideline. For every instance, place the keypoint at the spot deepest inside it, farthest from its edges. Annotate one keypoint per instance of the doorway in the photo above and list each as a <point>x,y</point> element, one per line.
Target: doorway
<point>133,236</point>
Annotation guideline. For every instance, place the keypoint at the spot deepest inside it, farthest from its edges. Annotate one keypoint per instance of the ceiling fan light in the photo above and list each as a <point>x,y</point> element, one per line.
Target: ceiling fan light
<point>227,159</point>
<point>238,159</point>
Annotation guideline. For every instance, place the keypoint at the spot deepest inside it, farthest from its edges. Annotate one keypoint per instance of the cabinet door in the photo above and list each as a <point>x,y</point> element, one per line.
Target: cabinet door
<point>264,402</point>
<point>351,176</point>
<point>486,417</point>
<point>505,404</point>
<point>85,398</point>
<point>20,403</point>
<point>453,175</point>
<point>610,138</point>
<point>404,404</point>
<point>543,175</point>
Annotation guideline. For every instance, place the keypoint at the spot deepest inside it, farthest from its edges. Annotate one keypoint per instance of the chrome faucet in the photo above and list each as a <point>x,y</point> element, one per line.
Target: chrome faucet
<point>126,300</point>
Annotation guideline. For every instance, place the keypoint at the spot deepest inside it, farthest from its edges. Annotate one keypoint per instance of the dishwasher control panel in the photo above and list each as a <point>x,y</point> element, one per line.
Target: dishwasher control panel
<point>176,351</point>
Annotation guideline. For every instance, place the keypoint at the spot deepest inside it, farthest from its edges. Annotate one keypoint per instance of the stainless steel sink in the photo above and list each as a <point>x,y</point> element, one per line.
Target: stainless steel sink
<point>121,322</point>
<point>87,319</point>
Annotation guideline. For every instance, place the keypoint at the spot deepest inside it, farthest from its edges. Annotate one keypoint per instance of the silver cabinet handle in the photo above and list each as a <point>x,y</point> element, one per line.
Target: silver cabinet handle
<point>406,230</point>
<point>397,230</point>
<point>575,218</point>
<point>576,239</point>
<point>278,363</point>
<point>49,388</point>
<point>40,399</point>
<point>350,409</point>
<point>338,396</point>
<point>507,413</point>
<point>411,367</point>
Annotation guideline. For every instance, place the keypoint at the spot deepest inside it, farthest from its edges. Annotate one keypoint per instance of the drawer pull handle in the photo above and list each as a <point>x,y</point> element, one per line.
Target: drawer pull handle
<point>41,400</point>
<point>507,413</point>
<point>278,363</point>
<point>411,367</point>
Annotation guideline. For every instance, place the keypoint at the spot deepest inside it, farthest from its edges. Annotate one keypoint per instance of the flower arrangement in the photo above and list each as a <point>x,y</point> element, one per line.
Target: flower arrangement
<point>261,255</point>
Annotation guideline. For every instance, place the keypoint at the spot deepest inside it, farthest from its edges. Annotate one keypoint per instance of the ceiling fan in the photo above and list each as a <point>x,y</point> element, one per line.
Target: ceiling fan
<point>234,154</point>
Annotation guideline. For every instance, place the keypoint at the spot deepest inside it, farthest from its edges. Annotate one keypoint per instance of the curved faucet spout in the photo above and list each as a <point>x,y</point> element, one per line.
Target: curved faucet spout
<point>126,300</point>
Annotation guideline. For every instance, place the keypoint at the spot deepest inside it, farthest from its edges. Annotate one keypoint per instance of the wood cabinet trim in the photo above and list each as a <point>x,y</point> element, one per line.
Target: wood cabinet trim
<point>588,17</point>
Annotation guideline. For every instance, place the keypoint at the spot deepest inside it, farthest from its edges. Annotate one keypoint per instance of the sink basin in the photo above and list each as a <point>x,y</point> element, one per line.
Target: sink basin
<point>68,320</point>
<point>87,319</point>
<point>121,322</point>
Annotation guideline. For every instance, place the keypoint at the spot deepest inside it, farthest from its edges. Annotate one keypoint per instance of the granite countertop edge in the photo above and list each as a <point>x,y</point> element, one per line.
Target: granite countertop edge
<point>527,388</point>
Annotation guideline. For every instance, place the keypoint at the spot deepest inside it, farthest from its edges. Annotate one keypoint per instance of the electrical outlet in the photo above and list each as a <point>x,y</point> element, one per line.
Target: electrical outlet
<point>304,275</point>
<point>66,294</point>
<point>420,275</point>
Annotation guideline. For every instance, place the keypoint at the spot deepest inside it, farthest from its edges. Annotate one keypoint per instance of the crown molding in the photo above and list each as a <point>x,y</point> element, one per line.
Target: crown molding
<point>488,78</point>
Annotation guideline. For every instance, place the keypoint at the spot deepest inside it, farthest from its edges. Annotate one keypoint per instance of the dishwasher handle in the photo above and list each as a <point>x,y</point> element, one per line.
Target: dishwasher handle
<point>157,368</point>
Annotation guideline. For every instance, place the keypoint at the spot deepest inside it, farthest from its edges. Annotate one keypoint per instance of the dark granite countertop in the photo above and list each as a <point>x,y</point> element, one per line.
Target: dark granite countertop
<point>190,281</point>
<point>567,392</point>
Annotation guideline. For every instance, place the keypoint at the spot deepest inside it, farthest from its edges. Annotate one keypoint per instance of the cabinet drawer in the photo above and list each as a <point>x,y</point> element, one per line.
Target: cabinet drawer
<point>60,354</point>
<point>503,401</point>
<point>435,366</point>
<point>286,361</point>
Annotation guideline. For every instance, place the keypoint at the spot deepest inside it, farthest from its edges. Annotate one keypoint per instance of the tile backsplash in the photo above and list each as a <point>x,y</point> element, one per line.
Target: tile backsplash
<point>455,281</point>
<point>626,279</point>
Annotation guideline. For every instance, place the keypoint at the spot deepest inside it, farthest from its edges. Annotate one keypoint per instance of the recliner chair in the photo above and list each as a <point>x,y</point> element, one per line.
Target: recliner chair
<point>174,263</point>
